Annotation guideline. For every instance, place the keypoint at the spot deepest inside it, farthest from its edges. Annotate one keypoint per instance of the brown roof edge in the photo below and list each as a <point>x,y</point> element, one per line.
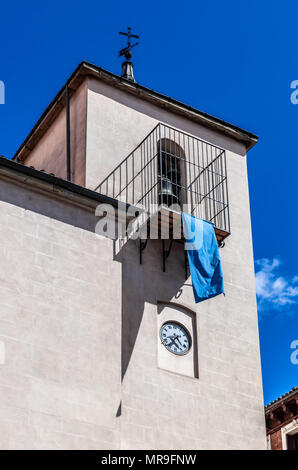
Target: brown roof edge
<point>29,174</point>
<point>279,400</point>
<point>87,69</point>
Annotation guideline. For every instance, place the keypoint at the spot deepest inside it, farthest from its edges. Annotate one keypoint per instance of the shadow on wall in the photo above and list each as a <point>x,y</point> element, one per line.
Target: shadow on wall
<point>145,283</point>
<point>141,283</point>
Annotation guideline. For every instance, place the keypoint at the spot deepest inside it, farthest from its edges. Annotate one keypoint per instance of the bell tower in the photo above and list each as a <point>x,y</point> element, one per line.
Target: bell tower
<point>153,369</point>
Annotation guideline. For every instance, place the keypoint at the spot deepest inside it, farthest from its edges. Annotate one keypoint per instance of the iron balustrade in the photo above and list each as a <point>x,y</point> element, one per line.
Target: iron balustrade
<point>173,169</point>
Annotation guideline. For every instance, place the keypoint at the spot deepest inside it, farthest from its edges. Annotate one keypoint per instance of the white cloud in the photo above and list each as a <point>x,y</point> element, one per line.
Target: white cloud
<point>272,289</point>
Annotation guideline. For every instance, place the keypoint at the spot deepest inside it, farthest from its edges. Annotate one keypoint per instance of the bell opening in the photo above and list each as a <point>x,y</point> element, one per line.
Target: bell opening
<point>169,173</point>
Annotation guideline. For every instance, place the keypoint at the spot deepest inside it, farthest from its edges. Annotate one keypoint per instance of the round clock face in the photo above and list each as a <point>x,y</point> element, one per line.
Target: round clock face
<point>175,338</point>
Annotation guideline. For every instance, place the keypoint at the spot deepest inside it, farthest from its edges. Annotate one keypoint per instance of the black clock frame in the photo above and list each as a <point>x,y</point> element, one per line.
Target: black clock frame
<point>186,331</point>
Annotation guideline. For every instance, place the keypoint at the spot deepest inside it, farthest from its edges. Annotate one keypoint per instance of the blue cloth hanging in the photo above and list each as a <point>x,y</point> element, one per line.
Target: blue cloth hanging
<point>203,257</point>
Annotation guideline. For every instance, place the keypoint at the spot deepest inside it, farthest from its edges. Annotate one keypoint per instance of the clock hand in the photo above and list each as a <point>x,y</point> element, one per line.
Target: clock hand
<point>177,345</point>
<point>172,339</point>
<point>166,339</point>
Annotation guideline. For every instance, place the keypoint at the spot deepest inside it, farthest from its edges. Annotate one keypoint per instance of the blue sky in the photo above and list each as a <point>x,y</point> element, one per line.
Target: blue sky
<point>233,59</point>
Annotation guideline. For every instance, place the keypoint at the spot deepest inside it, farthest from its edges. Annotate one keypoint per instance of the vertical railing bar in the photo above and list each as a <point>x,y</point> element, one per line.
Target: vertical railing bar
<point>209,184</point>
<point>197,187</point>
<point>219,192</point>
<point>144,169</point>
<point>166,159</point>
<point>200,190</point>
<point>206,185</point>
<point>126,171</point>
<point>190,174</point>
<point>223,194</point>
<point>213,184</point>
<point>145,172</point>
<point>214,177</point>
<point>203,182</point>
<point>183,177</point>
<point>155,171</point>
<point>201,186</point>
<point>227,192</point>
<point>188,171</point>
<point>142,176</point>
<point>120,178</point>
<point>160,168</point>
<point>153,168</point>
<point>164,167</point>
<point>171,161</point>
<point>133,177</point>
<point>177,171</point>
<point>176,159</point>
<point>148,172</point>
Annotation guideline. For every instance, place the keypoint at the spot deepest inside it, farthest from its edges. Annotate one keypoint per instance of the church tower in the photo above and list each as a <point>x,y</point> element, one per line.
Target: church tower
<point>87,365</point>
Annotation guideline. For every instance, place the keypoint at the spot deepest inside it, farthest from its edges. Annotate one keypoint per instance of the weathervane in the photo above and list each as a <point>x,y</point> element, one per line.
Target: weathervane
<point>126,51</point>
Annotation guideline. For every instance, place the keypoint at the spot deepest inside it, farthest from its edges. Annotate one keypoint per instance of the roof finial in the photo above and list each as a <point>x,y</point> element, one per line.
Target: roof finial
<point>127,66</point>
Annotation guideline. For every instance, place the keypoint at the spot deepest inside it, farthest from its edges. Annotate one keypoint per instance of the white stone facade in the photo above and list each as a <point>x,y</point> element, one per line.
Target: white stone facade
<point>79,315</point>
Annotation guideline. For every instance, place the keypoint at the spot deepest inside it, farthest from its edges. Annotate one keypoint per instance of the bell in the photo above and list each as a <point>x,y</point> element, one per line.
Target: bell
<point>166,194</point>
<point>173,176</point>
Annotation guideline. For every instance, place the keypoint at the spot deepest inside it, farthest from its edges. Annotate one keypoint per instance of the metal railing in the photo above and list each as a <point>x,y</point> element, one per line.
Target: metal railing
<point>173,169</point>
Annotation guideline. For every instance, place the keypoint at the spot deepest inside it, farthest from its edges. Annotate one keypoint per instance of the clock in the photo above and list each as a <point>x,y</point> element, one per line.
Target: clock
<point>175,338</point>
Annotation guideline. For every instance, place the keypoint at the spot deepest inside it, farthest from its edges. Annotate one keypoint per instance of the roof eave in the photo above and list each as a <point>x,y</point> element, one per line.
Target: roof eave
<point>62,188</point>
<point>276,403</point>
<point>248,138</point>
<point>85,69</point>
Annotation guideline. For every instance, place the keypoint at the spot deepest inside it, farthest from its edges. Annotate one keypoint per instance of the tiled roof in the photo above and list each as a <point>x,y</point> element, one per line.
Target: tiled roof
<point>282,398</point>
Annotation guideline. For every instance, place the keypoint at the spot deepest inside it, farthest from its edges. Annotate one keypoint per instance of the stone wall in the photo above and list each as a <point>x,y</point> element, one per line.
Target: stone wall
<point>49,154</point>
<point>60,324</point>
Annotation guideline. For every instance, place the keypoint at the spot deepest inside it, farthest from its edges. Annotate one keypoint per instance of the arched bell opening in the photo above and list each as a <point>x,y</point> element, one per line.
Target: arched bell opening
<point>171,174</point>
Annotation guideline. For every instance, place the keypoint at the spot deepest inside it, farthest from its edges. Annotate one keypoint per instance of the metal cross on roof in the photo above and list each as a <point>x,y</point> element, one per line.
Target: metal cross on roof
<point>126,50</point>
